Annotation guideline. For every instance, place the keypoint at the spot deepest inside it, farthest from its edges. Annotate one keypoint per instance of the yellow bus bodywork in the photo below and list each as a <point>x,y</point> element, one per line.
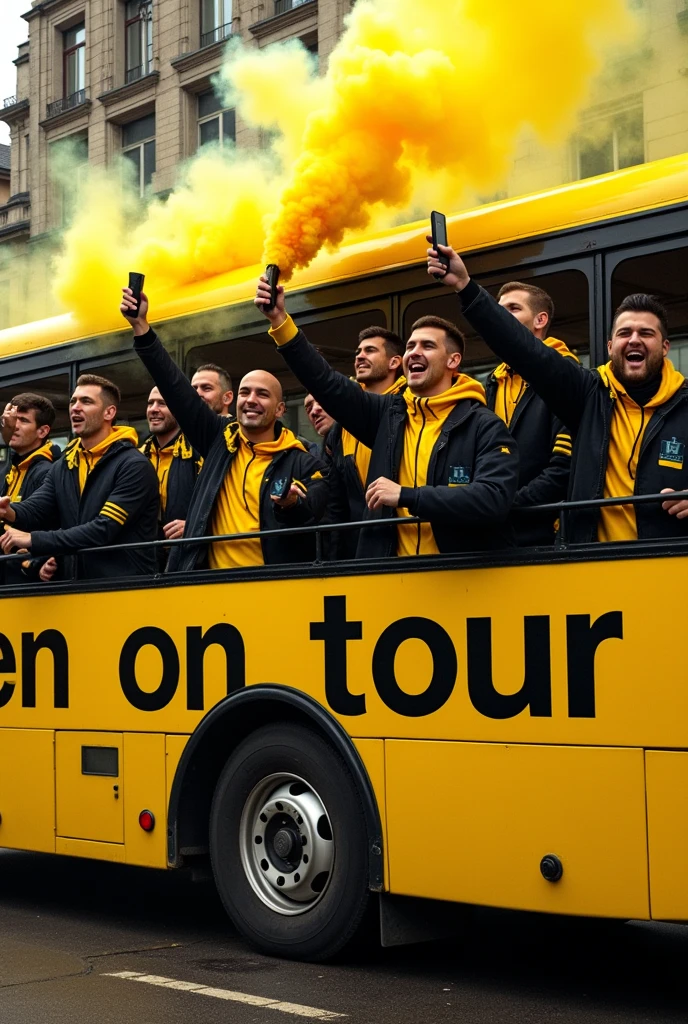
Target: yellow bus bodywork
<point>472,790</point>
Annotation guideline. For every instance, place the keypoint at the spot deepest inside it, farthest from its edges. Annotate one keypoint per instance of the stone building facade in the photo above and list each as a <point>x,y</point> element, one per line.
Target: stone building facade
<point>134,77</point>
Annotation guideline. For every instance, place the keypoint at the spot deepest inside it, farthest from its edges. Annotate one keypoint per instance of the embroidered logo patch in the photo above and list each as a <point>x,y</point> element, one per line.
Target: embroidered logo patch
<point>671,453</point>
<point>459,476</point>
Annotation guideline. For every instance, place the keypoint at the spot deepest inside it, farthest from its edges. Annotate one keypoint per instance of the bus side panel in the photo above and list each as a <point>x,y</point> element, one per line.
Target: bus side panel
<point>472,821</point>
<point>372,753</point>
<point>27,789</point>
<point>174,748</point>
<point>144,790</point>
<point>667,816</point>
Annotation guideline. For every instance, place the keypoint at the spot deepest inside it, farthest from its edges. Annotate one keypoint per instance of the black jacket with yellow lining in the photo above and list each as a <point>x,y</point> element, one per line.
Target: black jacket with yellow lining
<point>472,440</point>
<point>583,400</point>
<point>215,438</point>
<point>544,451</point>
<point>27,473</point>
<point>185,464</point>
<point>118,505</point>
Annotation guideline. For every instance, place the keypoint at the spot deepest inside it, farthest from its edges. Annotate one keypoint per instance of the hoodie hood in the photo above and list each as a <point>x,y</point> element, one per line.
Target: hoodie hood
<point>284,440</point>
<point>670,383</point>
<point>75,449</point>
<point>559,346</point>
<point>439,406</point>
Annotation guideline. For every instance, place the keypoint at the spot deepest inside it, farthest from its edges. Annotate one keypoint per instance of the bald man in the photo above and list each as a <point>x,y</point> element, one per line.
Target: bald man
<point>243,460</point>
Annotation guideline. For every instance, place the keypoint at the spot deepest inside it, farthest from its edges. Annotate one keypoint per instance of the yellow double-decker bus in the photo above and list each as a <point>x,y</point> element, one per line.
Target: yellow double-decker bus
<point>507,729</point>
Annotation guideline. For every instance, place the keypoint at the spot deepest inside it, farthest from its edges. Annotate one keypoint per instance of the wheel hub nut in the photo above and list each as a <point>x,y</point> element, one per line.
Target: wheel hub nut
<point>285,842</point>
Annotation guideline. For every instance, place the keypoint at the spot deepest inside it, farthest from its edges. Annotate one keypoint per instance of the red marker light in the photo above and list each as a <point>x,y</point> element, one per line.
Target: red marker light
<point>147,821</point>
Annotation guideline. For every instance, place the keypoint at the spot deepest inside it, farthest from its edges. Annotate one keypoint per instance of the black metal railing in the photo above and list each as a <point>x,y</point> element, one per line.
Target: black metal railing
<point>9,101</point>
<point>282,6</point>
<point>216,35</point>
<point>322,529</point>
<point>133,74</point>
<point>66,103</point>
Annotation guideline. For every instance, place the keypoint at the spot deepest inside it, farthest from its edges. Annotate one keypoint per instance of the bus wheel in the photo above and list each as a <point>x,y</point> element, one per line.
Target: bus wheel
<point>288,844</point>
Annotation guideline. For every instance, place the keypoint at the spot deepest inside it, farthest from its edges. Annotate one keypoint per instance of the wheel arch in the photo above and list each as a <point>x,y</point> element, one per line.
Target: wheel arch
<point>217,735</point>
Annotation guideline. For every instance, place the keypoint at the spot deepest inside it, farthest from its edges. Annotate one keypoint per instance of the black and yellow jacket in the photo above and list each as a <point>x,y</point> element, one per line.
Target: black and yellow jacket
<point>349,474</point>
<point>176,466</point>
<point>470,474</point>
<point>219,440</point>
<point>618,445</point>
<point>26,474</point>
<point>544,448</point>
<point>95,498</point>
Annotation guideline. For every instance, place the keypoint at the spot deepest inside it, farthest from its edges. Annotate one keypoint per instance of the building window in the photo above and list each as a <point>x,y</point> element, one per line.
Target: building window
<point>310,43</point>
<point>138,27</point>
<point>74,66</point>
<point>216,21</point>
<point>138,146</point>
<point>611,143</point>
<point>215,124</point>
<point>282,6</point>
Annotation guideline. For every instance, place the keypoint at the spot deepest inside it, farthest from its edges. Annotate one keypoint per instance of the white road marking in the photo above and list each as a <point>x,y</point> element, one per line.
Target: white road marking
<point>297,1009</point>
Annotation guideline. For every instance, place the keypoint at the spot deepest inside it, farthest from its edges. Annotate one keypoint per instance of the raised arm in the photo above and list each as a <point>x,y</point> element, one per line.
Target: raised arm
<point>562,383</point>
<point>357,410</point>
<point>200,424</point>
<point>135,488</point>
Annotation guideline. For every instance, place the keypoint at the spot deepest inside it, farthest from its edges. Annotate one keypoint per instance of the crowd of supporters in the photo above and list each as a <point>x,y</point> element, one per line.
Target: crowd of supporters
<point>408,437</point>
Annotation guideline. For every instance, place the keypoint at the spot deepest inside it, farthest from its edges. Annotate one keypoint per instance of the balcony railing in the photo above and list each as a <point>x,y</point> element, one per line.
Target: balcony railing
<point>216,35</point>
<point>282,6</point>
<point>9,101</point>
<point>133,74</point>
<point>66,103</point>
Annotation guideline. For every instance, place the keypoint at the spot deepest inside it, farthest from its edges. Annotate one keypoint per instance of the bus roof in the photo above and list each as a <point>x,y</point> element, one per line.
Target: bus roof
<point>633,190</point>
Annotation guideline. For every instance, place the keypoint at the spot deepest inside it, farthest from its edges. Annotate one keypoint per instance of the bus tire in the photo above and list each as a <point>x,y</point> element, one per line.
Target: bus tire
<point>288,844</point>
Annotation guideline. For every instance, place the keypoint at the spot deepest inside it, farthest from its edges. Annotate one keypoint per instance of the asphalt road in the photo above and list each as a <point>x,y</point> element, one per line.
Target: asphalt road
<point>94,943</point>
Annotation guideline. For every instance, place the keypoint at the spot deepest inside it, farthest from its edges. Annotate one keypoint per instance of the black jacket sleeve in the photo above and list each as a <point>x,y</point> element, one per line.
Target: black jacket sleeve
<point>309,510</point>
<point>41,509</point>
<point>197,420</point>
<point>562,383</point>
<point>357,410</point>
<point>487,498</point>
<point>552,483</point>
<point>135,486</point>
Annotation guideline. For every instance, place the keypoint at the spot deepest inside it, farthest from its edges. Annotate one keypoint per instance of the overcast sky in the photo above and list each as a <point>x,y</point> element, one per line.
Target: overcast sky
<point>13,31</point>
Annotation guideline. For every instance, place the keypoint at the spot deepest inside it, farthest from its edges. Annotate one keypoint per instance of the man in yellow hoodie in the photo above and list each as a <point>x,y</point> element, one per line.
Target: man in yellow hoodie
<point>629,416</point>
<point>544,443</point>
<point>438,453</point>
<point>101,492</point>
<point>243,460</point>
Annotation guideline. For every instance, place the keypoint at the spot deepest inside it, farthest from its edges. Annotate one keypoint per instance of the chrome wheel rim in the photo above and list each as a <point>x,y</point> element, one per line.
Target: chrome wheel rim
<point>286,844</point>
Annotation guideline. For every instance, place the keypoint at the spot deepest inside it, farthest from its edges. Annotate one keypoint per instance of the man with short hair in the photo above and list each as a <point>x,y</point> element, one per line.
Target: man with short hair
<point>629,417</point>
<point>101,492</point>
<point>320,421</point>
<point>243,461</point>
<point>378,369</point>
<point>176,466</point>
<point>26,424</point>
<point>437,451</point>
<point>544,443</point>
<point>214,386</point>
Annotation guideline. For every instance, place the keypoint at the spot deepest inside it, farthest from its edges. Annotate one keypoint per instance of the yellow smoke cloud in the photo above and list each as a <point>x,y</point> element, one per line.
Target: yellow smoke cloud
<point>420,106</point>
<point>415,88</point>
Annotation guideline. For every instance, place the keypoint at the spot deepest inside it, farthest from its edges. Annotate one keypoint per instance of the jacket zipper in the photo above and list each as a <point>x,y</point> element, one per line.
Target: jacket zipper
<point>415,464</point>
<point>243,484</point>
<point>635,443</point>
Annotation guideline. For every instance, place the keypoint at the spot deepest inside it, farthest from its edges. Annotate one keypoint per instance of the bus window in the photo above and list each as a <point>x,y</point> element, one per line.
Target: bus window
<point>662,274</point>
<point>335,337</point>
<point>134,382</point>
<point>569,290</point>
<point>55,388</point>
